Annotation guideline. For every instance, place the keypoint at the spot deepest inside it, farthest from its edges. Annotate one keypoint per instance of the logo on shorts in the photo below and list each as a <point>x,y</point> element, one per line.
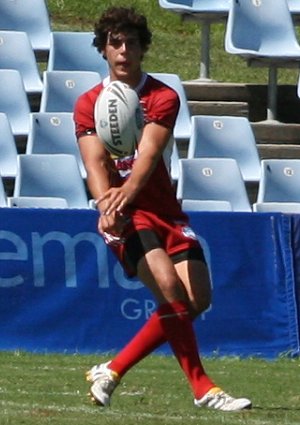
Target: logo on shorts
<point>188,232</point>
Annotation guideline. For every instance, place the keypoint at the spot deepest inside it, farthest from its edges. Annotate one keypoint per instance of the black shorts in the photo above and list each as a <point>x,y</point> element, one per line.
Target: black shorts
<point>145,240</point>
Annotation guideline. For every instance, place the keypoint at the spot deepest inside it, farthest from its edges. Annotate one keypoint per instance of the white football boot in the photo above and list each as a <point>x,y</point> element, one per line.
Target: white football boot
<point>104,381</point>
<point>219,400</point>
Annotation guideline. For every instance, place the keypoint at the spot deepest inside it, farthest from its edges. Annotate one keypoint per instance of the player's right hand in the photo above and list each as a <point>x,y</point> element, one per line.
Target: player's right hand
<point>113,224</point>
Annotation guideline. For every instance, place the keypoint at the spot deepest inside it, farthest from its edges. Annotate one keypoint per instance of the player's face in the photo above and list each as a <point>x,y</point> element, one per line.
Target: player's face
<point>124,55</point>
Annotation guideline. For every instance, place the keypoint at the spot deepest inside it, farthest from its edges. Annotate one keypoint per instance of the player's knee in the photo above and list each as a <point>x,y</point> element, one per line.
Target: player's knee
<point>200,305</point>
<point>171,288</point>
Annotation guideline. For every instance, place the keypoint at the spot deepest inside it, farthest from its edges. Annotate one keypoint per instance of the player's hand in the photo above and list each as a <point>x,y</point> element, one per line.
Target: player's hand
<point>114,200</point>
<point>112,224</point>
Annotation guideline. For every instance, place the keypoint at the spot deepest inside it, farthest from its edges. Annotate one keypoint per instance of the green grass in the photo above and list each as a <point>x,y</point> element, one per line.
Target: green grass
<point>176,44</point>
<point>42,389</point>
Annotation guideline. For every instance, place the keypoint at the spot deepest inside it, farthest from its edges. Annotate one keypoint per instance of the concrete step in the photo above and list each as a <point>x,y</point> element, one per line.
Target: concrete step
<point>255,95</point>
<point>275,132</point>
<point>278,151</point>
<point>218,108</point>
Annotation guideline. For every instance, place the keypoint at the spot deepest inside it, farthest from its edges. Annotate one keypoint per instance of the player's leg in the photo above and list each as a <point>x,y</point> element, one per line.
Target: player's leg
<point>157,271</point>
<point>194,276</point>
<point>196,281</point>
<point>172,321</point>
<point>153,333</point>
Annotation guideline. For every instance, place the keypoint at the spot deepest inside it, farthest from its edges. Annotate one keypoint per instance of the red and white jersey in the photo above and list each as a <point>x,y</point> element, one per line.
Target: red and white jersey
<point>160,104</point>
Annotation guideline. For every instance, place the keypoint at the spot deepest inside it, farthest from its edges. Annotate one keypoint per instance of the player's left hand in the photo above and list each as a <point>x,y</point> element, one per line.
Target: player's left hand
<point>115,199</point>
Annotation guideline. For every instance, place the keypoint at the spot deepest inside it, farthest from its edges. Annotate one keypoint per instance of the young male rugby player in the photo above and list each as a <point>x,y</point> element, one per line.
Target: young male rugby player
<point>141,219</point>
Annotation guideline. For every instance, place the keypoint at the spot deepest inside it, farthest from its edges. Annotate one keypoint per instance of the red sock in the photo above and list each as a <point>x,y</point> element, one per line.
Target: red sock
<point>177,325</point>
<point>154,333</point>
<point>150,337</point>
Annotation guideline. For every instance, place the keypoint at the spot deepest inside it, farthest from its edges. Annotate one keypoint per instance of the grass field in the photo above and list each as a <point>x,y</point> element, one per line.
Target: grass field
<point>43,389</point>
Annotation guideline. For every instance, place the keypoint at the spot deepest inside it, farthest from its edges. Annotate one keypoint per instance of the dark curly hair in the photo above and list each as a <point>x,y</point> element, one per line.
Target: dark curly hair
<point>121,20</point>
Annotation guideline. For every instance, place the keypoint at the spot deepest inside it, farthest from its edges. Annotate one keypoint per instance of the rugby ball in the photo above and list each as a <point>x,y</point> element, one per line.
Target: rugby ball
<point>119,118</point>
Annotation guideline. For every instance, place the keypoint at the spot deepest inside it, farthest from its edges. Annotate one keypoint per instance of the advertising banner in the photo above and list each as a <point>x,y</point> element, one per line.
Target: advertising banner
<point>61,289</point>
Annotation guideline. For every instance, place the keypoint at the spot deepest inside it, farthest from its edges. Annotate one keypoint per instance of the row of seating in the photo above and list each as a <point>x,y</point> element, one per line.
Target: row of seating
<point>260,31</point>
<point>204,184</point>
<point>210,136</point>
<point>47,180</point>
<point>16,52</point>
<point>60,91</point>
<point>206,12</point>
<point>31,17</point>
<point>217,184</point>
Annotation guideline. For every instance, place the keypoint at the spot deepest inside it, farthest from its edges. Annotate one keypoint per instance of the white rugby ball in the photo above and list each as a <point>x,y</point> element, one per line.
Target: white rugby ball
<point>119,118</point>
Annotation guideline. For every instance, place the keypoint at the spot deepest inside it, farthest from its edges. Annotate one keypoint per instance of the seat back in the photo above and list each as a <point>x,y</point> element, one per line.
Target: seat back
<point>14,101</point>
<point>226,137</point>
<point>8,148</point>
<point>257,27</point>
<point>37,202</point>
<point>30,16</point>
<point>279,181</point>
<point>282,207</point>
<point>3,197</point>
<point>52,133</point>
<point>182,129</point>
<point>16,53</point>
<point>212,179</point>
<point>51,175</point>
<point>294,8</point>
<point>203,205</point>
<point>62,89</point>
<point>174,4</point>
<point>298,86</point>
<point>196,6</point>
<point>85,57</point>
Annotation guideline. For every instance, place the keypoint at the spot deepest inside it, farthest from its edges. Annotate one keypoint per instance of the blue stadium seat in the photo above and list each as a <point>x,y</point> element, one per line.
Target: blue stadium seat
<point>30,16</point>
<point>282,207</point>
<point>298,86</point>
<point>36,202</point>
<point>51,175</point>
<point>204,12</point>
<point>203,205</point>
<point>3,197</point>
<point>279,185</point>
<point>227,137</point>
<point>212,179</point>
<point>62,88</point>
<point>53,133</point>
<point>263,33</point>
<point>294,8</point>
<point>85,57</point>
<point>8,149</point>
<point>182,129</point>
<point>14,101</point>
<point>175,163</point>
<point>16,53</point>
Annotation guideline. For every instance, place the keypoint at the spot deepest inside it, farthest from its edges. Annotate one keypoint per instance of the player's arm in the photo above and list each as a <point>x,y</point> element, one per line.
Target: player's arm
<point>152,144</point>
<point>96,162</point>
<point>99,167</point>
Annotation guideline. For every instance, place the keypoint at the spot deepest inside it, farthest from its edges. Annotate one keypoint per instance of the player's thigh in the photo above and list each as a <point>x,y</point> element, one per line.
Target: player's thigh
<point>157,272</point>
<point>195,278</point>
